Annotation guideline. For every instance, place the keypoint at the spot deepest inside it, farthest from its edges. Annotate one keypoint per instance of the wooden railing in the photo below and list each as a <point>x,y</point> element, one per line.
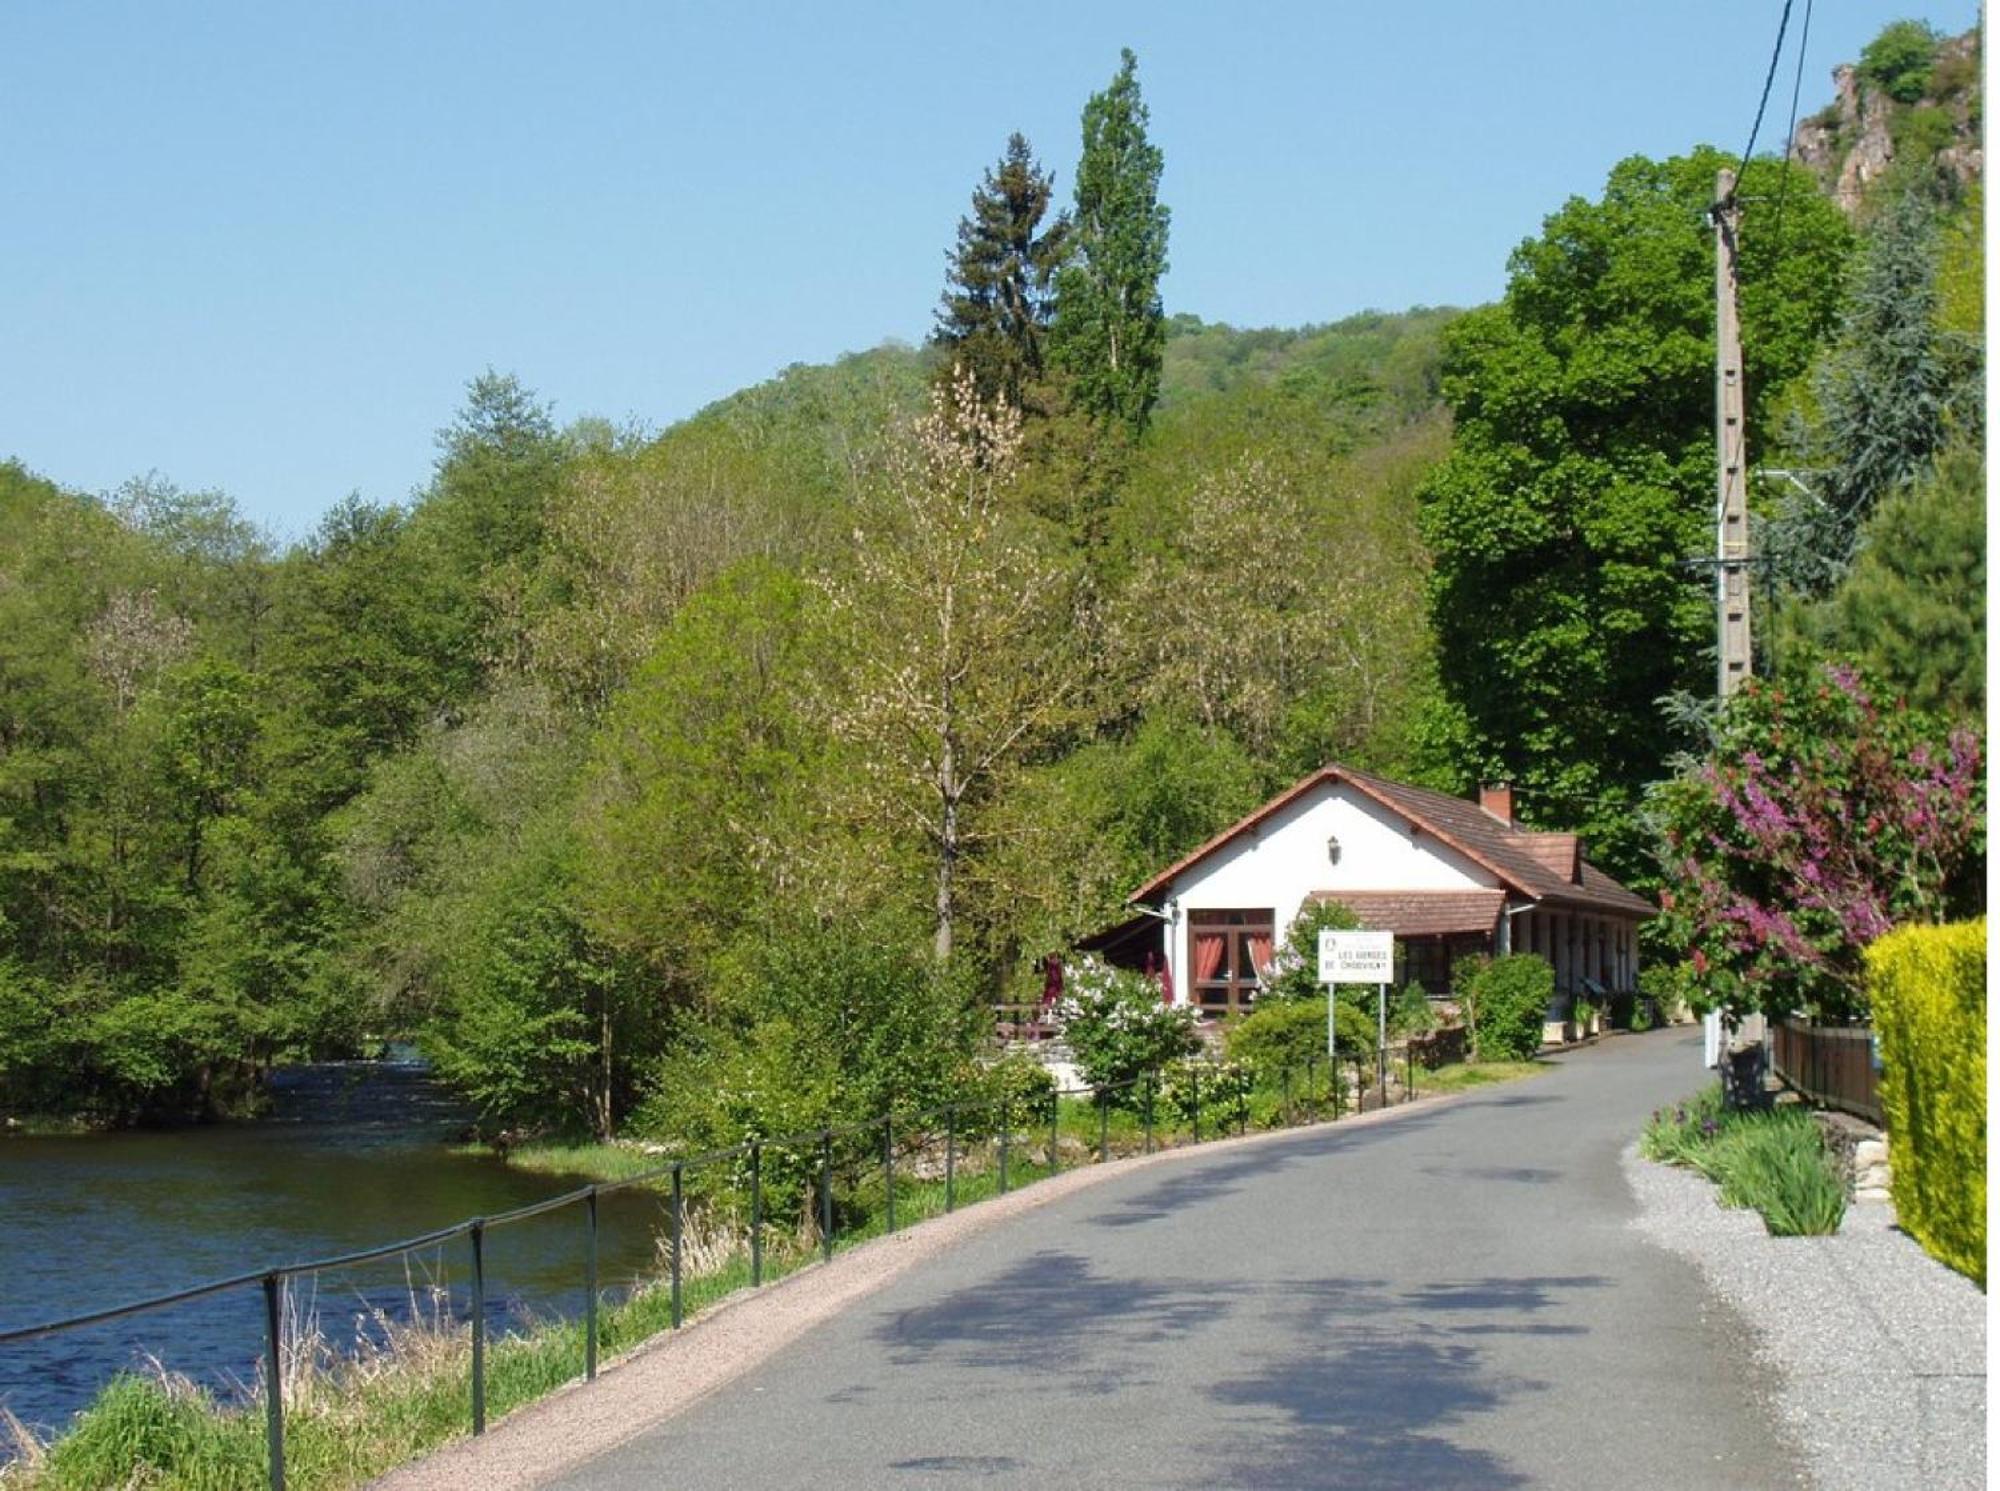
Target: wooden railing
<point>1834,1065</point>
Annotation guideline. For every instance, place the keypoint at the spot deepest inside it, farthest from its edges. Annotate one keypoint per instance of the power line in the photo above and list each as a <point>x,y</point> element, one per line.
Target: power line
<point>1770,73</point>
<point>1791,132</point>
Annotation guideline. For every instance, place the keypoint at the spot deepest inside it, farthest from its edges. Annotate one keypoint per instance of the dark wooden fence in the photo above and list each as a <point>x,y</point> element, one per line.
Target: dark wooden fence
<point>1834,1065</point>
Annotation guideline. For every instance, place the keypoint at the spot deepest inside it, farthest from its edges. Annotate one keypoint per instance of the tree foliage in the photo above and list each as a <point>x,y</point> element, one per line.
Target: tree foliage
<point>1582,475</point>
<point>1109,330</point>
<point>999,297</point>
<point>1896,388</point>
<point>960,635</point>
<point>1898,60</point>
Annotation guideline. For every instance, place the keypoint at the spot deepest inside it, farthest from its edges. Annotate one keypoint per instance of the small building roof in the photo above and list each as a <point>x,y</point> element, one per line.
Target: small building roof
<point>1540,867</point>
<point>1421,913</point>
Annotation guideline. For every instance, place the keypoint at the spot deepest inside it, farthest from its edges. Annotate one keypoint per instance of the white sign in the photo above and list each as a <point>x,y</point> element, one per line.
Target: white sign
<point>1356,957</point>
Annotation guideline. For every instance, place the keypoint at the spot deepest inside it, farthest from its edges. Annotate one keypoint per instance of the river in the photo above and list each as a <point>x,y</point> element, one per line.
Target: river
<point>354,1154</point>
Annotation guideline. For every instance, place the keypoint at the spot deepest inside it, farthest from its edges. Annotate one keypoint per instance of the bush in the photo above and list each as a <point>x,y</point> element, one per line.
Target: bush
<point>1410,1011</point>
<point>1898,60</point>
<point>1928,987</point>
<point>1281,1034</point>
<point>1295,968</point>
<point>1118,1029</point>
<point>1215,1092</point>
<point>1506,1000</point>
<point>1671,987</point>
<point>814,1025</point>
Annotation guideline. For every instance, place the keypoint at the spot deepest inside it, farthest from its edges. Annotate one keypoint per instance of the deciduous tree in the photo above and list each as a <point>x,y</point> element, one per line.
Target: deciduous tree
<point>960,627</point>
<point>1109,334</point>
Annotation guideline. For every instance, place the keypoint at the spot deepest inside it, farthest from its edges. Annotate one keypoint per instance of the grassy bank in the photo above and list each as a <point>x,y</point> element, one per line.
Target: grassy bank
<point>1772,1162</point>
<point>586,1160</point>
<point>350,1418</point>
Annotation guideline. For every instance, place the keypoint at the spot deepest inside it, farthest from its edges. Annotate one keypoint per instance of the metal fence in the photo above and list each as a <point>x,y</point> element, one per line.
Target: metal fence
<point>1305,1095</point>
<point>1834,1065</point>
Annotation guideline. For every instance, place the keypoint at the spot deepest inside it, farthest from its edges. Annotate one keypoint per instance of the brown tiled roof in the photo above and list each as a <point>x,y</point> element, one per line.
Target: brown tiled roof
<point>1556,853</point>
<point>1501,848</point>
<point>1421,913</point>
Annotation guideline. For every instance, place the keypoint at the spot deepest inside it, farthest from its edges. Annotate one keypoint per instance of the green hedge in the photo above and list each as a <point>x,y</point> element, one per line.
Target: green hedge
<point>1928,989</point>
<point>1506,1001</point>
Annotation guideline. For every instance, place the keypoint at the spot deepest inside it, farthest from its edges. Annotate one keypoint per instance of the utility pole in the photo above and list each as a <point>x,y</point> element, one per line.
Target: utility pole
<point>1732,510</point>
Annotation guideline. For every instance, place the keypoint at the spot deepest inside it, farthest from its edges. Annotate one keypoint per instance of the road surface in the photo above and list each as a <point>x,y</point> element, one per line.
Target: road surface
<point>1451,1299</point>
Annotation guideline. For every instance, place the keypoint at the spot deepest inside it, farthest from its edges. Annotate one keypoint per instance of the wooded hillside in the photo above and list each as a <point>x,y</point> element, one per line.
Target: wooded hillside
<point>636,775</point>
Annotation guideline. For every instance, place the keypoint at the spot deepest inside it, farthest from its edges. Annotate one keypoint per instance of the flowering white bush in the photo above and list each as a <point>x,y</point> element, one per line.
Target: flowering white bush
<point>1118,1026</point>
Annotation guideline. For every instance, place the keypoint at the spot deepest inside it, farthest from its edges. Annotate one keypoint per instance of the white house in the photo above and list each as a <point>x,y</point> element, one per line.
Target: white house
<point>1447,876</point>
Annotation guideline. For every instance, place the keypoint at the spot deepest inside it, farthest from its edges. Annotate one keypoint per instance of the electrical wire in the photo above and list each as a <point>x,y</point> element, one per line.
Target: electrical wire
<point>1791,136</point>
<point>1770,73</point>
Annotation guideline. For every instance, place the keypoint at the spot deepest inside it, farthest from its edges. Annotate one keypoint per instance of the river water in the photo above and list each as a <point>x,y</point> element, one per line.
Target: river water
<point>355,1154</point>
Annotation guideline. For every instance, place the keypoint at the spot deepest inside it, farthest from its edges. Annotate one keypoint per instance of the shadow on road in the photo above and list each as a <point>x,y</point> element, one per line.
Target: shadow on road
<point>1051,1316</point>
<point>1223,1174</point>
<point>1363,1389</point>
<point>1368,1394</point>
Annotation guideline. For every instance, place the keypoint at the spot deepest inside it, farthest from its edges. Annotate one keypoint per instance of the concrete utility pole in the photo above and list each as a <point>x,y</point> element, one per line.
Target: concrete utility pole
<point>1732,511</point>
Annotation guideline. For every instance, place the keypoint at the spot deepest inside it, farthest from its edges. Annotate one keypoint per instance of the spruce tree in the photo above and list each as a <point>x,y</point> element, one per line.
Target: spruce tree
<point>1110,335</point>
<point>1000,288</point>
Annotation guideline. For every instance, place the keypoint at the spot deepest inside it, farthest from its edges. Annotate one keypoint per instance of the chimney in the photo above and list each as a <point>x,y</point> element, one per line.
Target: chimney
<point>1499,801</point>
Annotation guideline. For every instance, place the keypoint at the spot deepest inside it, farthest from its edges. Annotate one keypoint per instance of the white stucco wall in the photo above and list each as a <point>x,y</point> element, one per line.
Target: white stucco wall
<point>1278,863</point>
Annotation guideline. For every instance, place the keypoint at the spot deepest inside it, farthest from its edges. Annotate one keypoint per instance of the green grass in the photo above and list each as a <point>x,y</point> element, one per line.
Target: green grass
<point>1774,1163</point>
<point>1469,1074</point>
<point>588,1160</point>
<point>350,1420</point>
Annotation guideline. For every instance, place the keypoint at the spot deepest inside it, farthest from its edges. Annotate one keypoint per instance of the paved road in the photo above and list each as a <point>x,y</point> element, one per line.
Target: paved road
<point>1453,1299</point>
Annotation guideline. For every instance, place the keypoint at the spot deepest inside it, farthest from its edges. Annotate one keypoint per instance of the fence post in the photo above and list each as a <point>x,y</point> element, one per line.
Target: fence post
<point>1055,1130</point>
<point>889,1173</point>
<point>756,1212</point>
<point>1286,1079</point>
<point>1103,1127</point>
<point>1151,1082</point>
<point>478,1327</point>
<point>1195,1073</point>
<point>950,1153</point>
<point>590,1285</point>
<point>1312,1103</point>
<point>676,1220</point>
<point>274,1383</point>
<point>1409,1071</point>
<point>826,1194</point>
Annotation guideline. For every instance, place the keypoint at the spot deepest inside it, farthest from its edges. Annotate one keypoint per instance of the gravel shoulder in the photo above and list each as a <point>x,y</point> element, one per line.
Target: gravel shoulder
<point>1877,1350</point>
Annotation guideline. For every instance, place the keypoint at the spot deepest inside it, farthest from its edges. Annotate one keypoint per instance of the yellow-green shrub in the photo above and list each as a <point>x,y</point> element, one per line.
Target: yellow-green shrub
<point>1928,989</point>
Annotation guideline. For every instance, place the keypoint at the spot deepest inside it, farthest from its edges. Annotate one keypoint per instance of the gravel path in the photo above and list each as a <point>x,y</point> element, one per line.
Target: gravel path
<point>1878,1351</point>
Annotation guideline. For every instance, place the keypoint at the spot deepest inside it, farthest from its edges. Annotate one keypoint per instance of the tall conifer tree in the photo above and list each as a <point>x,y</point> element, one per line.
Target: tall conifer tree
<point>1000,288</point>
<point>1110,335</point>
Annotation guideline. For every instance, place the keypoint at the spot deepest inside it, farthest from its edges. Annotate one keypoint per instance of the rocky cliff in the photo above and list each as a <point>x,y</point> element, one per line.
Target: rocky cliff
<point>1879,121</point>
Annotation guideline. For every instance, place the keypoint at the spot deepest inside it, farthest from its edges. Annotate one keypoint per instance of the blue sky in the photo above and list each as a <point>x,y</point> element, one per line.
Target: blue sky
<point>262,247</point>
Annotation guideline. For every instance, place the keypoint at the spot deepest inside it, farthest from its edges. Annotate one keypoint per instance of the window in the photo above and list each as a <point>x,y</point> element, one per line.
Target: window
<point>1228,954</point>
<point>1427,961</point>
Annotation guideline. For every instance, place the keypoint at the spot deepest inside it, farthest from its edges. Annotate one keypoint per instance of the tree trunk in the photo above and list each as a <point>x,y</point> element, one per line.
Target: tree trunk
<point>603,1115</point>
<point>947,867</point>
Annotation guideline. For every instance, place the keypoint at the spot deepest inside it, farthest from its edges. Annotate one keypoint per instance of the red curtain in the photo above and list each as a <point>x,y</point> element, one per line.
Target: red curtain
<point>1208,950</point>
<point>1260,954</point>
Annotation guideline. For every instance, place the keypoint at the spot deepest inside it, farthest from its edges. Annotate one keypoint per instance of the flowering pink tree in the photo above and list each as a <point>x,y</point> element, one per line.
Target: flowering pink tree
<point>1821,819</point>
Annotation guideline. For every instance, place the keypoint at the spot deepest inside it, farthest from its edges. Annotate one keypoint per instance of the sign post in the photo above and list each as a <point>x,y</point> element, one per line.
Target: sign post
<point>1359,958</point>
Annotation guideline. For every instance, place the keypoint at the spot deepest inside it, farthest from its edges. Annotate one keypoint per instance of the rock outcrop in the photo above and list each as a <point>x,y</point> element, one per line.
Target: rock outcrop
<point>1857,139</point>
